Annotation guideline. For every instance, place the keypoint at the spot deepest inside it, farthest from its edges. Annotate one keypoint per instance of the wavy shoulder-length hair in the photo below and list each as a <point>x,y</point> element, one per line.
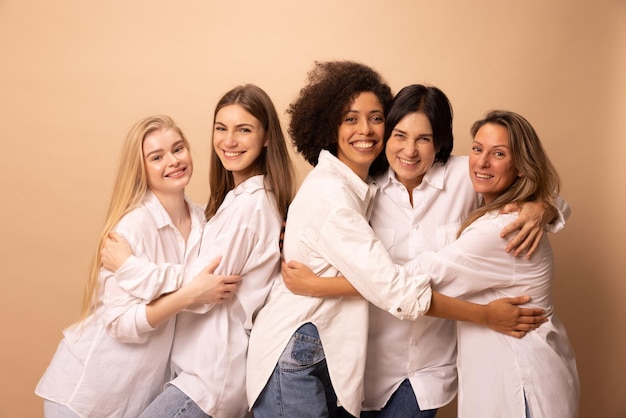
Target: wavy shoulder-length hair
<point>316,113</point>
<point>131,184</point>
<point>273,162</point>
<point>539,180</point>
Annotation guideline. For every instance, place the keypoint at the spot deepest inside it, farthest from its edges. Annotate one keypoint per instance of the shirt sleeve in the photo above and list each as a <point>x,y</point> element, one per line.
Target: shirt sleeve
<point>564,212</point>
<point>124,315</point>
<point>249,247</point>
<point>473,263</point>
<point>348,243</point>
<point>147,280</point>
<point>138,275</point>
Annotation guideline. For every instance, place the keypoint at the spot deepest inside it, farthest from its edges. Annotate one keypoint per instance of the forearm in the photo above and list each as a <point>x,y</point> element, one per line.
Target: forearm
<point>332,287</point>
<point>162,309</point>
<point>442,306</point>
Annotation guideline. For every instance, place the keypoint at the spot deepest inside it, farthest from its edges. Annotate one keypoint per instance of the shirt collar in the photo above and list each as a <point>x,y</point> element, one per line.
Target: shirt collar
<point>434,177</point>
<point>361,188</point>
<point>160,215</point>
<point>250,185</point>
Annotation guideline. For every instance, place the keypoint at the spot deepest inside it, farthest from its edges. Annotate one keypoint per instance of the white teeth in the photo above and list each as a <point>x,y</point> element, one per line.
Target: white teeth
<point>175,173</point>
<point>231,153</point>
<point>363,144</point>
<point>483,176</point>
<point>403,161</point>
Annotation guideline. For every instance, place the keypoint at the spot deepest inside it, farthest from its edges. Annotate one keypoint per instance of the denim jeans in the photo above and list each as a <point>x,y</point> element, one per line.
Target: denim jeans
<point>173,403</point>
<point>300,385</point>
<point>56,410</point>
<point>402,404</point>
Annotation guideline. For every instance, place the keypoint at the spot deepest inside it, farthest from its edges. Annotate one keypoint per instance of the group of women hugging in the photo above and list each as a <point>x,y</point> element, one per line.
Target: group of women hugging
<point>405,275</point>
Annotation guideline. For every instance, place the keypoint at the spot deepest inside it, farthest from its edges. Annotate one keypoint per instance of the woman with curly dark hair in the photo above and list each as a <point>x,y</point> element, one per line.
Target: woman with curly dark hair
<point>337,123</point>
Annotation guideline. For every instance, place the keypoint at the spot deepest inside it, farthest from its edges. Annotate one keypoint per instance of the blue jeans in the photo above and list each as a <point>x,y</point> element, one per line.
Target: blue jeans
<point>402,404</point>
<point>173,403</point>
<point>300,385</point>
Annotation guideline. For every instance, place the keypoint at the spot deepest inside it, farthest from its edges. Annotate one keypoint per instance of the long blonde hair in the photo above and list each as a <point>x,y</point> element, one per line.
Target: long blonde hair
<point>130,186</point>
<point>539,181</point>
<point>274,161</point>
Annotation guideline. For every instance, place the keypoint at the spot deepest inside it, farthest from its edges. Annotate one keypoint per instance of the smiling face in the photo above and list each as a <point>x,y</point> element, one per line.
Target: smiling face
<point>490,162</point>
<point>238,140</point>
<point>167,162</point>
<point>411,149</point>
<point>360,135</point>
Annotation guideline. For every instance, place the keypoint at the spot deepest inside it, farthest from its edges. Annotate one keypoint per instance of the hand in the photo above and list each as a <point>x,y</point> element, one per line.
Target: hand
<point>530,224</point>
<point>298,278</point>
<point>207,287</point>
<point>114,252</point>
<point>505,317</point>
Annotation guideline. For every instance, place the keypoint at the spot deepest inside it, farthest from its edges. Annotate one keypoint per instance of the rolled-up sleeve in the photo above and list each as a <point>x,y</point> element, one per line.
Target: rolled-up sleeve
<point>348,242</point>
<point>124,316</point>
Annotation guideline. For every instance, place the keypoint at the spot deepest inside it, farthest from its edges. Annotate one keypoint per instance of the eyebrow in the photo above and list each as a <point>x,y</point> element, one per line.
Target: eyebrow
<point>358,111</point>
<point>175,144</point>
<point>236,126</point>
<point>406,133</point>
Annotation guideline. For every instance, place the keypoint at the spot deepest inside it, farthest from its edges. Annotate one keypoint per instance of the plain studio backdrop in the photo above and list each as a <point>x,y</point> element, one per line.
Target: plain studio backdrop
<point>75,75</point>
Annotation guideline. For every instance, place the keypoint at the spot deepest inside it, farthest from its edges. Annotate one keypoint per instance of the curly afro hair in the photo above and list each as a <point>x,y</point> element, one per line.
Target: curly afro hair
<point>316,114</point>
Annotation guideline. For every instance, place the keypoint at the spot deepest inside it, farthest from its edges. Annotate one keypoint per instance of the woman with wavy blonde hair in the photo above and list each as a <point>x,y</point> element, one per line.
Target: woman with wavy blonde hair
<point>535,376</point>
<point>114,361</point>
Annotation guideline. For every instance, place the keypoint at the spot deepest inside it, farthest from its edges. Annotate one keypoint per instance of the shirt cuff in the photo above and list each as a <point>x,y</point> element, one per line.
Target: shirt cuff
<point>141,319</point>
<point>416,302</point>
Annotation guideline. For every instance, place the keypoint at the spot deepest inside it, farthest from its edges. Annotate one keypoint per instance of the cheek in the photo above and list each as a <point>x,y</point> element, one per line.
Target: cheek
<point>379,130</point>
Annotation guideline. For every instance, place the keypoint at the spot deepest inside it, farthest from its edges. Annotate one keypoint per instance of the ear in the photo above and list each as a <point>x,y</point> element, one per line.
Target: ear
<point>266,141</point>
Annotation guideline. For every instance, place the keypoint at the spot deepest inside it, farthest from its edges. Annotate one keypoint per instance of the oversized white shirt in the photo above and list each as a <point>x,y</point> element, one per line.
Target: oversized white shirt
<point>327,229</point>
<point>497,371</point>
<point>114,363</point>
<point>209,351</point>
<point>424,351</point>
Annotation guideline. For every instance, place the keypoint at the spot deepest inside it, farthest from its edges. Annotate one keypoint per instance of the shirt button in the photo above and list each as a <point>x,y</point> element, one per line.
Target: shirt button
<point>398,309</point>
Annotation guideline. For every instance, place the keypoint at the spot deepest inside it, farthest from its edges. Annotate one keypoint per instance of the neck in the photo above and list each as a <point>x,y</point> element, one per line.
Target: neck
<point>175,206</point>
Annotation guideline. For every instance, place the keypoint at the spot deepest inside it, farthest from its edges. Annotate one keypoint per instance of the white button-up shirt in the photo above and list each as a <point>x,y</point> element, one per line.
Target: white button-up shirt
<point>209,351</point>
<point>327,229</point>
<point>114,363</point>
<point>424,351</point>
<point>497,371</point>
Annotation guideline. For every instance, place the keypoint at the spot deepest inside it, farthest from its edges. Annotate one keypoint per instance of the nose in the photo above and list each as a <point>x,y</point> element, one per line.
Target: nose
<point>230,140</point>
<point>172,159</point>
<point>483,160</point>
<point>411,148</point>
<point>365,127</point>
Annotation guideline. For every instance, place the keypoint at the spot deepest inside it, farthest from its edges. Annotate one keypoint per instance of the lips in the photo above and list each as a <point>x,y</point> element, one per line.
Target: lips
<point>483,176</point>
<point>177,173</point>
<point>232,154</point>
<point>364,145</point>
<point>407,162</point>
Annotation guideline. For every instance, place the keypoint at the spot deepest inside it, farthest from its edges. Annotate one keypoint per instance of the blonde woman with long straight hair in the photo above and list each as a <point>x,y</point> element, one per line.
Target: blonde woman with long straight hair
<point>251,181</point>
<point>114,361</point>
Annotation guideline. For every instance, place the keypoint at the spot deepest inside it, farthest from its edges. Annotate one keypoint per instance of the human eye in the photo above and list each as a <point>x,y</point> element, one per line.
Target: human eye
<point>476,149</point>
<point>499,154</point>
<point>245,130</point>
<point>155,157</point>
<point>425,138</point>
<point>399,135</point>
<point>377,119</point>
<point>349,119</point>
<point>219,128</point>
<point>179,148</point>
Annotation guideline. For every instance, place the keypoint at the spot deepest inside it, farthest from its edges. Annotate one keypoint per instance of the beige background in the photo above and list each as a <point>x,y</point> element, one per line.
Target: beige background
<point>74,75</point>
